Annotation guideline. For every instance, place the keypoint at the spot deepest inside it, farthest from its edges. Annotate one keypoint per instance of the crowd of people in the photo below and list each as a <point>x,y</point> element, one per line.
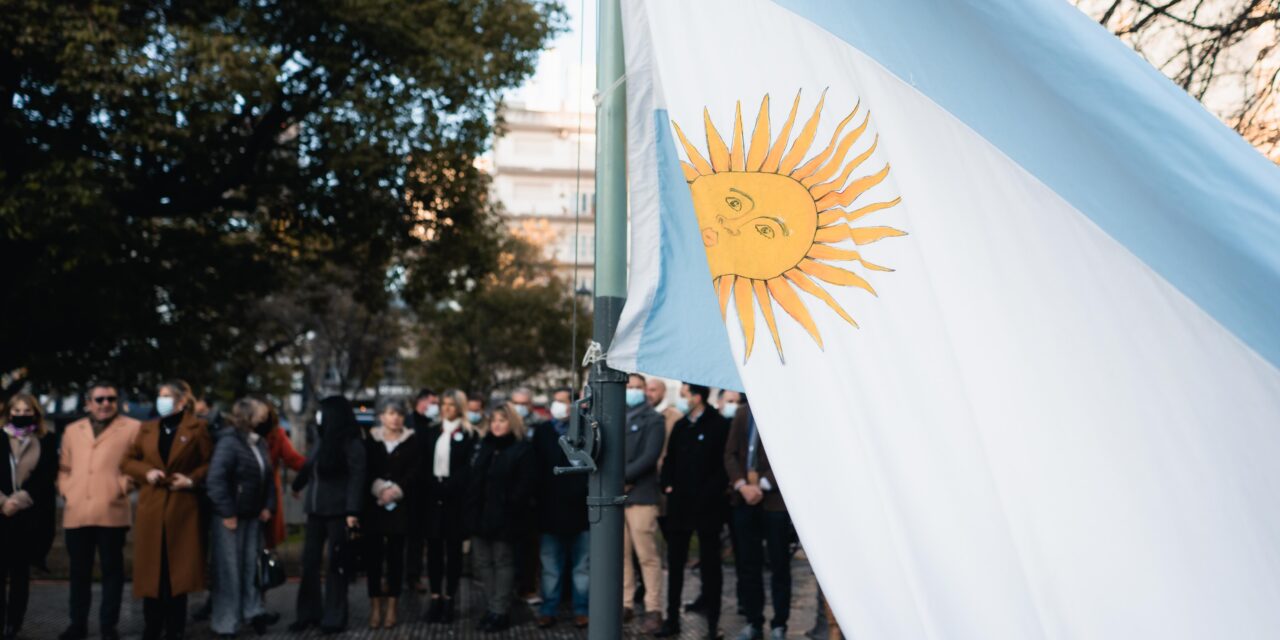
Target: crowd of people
<point>446,478</point>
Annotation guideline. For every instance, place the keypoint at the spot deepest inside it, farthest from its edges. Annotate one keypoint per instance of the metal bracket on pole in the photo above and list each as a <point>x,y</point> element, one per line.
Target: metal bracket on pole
<point>581,444</point>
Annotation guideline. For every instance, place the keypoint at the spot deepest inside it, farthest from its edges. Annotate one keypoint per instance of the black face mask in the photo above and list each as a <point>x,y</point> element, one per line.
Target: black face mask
<point>22,422</point>
<point>263,429</point>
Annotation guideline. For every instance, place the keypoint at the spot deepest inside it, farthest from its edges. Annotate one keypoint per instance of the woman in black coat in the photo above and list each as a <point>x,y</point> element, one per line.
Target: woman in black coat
<point>499,500</point>
<point>447,451</point>
<point>334,478</point>
<point>243,496</point>
<point>394,463</point>
<point>30,460</point>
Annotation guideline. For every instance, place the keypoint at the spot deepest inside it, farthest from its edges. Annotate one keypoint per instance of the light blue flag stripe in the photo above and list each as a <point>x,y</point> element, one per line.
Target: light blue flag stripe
<point>1072,105</point>
<point>684,335</point>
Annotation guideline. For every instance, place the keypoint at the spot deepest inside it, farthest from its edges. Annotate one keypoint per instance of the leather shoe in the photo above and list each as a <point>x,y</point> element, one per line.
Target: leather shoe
<point>74,633</point>
<point>627,614</point>
<point>581,622</point>
<point>697,605</point>
<point>652,622</point>
<point>300,626</point>
<point>546,622</point>
<point>109,634</point>
<point>10,632</point>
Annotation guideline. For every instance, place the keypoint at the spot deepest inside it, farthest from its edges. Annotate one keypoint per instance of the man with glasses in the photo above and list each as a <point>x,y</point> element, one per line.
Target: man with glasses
<point>97,513</point>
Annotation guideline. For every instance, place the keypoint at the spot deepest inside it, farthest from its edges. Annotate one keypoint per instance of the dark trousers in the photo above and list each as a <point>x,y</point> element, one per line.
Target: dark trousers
<point>414,544</point>
<point>168,613</point>
<point>15,583</point>
<point>109,543</point>
<point>329,608</point>
<point>708,567</point>
<point>444,565</point>
<point>754,530</point>
<point>384,550</point>
<point>527,570</point>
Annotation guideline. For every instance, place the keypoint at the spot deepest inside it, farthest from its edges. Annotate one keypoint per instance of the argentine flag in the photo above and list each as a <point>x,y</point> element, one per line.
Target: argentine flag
<point>1005,300</point>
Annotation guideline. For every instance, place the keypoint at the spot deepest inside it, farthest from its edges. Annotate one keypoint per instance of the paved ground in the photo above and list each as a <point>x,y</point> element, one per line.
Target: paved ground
<point>46,615</point>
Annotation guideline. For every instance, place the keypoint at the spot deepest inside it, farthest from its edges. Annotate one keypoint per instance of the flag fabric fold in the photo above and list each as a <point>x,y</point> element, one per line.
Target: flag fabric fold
<point>1002,297</point>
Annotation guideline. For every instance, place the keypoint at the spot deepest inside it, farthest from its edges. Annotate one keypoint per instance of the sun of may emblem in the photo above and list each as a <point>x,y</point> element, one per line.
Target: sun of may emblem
<point>770,217</point>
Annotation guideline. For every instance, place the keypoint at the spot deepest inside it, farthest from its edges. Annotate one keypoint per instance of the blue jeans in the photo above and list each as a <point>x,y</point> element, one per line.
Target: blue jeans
<point>557,551</point>
<point>236,597</point>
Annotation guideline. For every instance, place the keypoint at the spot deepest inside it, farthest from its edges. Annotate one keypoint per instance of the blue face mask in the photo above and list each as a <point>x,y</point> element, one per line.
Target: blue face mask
<point>164,405</point>
<point>682,405</point>
<point>635,397</point>
<point>522,411</point>
<point>473,417</point>
<point>729,409</point>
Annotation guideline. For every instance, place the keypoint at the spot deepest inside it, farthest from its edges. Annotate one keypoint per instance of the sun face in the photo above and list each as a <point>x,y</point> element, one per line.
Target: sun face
<point>769,218</point>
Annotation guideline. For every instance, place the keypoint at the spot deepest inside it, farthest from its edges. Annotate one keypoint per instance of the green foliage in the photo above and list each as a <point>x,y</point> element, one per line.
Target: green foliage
<point>167,166</point>
<point>505,329</point>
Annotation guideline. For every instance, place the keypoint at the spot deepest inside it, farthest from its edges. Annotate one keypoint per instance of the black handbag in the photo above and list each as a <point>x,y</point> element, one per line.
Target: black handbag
<point>270,570</point>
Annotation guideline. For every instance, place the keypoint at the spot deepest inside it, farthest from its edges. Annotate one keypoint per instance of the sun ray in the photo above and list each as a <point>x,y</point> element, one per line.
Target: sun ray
<point>794,306</point>
<point>804,140</point>
<point>759,137</point>
<point>851,192</point>
<point>737,162</point>
<point>775,152</point>
<point>766,307</point>
<point>834,215</point>
<point>715,144</point>
<point>699,163</point>
<point>824,252</point>
<point>837,159</point>
<point>690,172</point>
<point>746,314</point>
<point>812,288</point>
<point>813,164</point>
<point>827,187</point>
<point>724,286</point>
<point>834,275</point>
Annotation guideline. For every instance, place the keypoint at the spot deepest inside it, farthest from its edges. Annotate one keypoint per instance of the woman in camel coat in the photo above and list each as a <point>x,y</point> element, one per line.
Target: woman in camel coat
<point>169,460</point>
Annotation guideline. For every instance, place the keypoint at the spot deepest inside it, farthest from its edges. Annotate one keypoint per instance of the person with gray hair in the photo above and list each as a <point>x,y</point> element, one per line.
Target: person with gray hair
<point>393,467</point>
<point>243,497</point>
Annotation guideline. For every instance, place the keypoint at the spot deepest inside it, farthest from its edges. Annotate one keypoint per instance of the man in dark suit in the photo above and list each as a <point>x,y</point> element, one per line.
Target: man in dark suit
<point>760,520</point>
<point>694,482</point>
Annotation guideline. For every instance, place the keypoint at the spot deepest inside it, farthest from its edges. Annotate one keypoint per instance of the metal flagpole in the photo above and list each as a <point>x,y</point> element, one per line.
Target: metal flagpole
<point>605,498</point>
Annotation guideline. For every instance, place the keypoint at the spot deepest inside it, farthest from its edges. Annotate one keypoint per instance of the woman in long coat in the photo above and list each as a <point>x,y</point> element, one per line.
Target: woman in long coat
<point>169,460</point>
<point>447,451</point>
<point>282,456</point>
<point>30,460</point>
<point>394,464</point>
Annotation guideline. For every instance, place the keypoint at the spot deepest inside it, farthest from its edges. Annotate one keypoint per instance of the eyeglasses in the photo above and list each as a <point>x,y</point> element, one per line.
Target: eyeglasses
<point>105,400</point>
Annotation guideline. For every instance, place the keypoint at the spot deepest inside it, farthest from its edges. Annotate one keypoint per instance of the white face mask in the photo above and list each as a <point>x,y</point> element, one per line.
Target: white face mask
<point>682,404</point>
<point>559,410</point>
<point>318,414</point>
<point>433,411</point>
<point>164,405</point>
<point>635,397</point>
<point>729,409</point>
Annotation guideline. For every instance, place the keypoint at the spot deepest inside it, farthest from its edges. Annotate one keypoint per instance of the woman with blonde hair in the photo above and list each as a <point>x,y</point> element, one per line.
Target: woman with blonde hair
<point>169,460</point>
<point>499,501</point>
<point>26,505</point>
<point>447,454</point>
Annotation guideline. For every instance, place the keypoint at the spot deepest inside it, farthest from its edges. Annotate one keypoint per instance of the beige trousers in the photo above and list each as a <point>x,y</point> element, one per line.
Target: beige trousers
<point>641,533</point>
